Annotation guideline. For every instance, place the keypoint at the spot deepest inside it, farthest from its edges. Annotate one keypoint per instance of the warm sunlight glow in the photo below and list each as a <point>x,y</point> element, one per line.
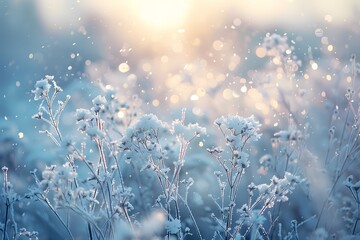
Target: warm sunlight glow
<point>161,14</point>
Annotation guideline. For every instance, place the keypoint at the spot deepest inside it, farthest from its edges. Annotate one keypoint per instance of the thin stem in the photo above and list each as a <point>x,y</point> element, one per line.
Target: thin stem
<point>52,119</point>
<point>357,218</point>
<point>57,215</point>
<point>90,231</point>
<point>6,219</point>
<point>192,216</point>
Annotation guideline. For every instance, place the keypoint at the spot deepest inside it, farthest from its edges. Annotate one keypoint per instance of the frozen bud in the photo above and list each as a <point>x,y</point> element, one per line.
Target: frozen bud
<point>49,77</point>
<point>217,173</point>
<point>56,87</point>
<point>37,115</point>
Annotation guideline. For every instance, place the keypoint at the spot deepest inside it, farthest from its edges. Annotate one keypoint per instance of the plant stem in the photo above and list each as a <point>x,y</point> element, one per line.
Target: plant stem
<point>57,215</point>
<point>6,219</point>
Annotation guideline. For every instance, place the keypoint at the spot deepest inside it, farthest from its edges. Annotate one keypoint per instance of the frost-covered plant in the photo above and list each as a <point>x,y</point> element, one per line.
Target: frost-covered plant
<point>143,142</point>
<point>342,154</point>
<point>354,189</point>
<point>123,172</point>
<point>9,226</point>
<point>100,193</point>
<point>249,219</point>
<point>46,112</point>
<point>93,187</point>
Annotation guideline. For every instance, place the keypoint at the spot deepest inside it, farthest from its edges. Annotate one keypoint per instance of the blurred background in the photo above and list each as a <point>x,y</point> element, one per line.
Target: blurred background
<point>206,56</point>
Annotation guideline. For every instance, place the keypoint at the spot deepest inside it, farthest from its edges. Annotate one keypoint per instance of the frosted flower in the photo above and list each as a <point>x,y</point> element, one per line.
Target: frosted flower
<point>278,189</point>
<point>68,145</point>
<point>320,234</point>
<point>291,179</point>
<point>282,135</point>
<point>266,160</point>
<point>246,127</point>
<point>67,173</point>
<point>275,44</point>
<point>99,103</point>
<point>94,132</point>
<point>251,187</point>
<point>38,115</point>
<point>187,131</point>
<point>83,114</point>
<point>173,226</point>
<point>147,127</point>
<point>56,87</point>
<point>256,218</point>
<point>215,150</point>
<point>42,88</point>
<point>263,188</point>
<point>141,141</point>
<point>242,159</point>
<point>250,217</point>
<point>49,172</point>
<point>291,135</point>
<point>238,130</point>
<point>49,77</point>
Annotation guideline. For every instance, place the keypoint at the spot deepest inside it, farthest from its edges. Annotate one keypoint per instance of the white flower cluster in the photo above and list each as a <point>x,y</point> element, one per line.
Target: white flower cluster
<point>186,131</point>
<point>141,141</point>
<point>278,189</point>
<point>239,129</point>
<point>237,132</point>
